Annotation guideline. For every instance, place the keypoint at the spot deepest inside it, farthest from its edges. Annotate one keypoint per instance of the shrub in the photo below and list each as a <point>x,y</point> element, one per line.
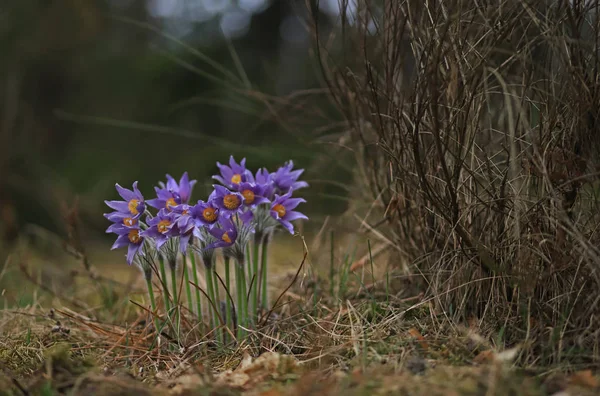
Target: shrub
<point>475,127</point>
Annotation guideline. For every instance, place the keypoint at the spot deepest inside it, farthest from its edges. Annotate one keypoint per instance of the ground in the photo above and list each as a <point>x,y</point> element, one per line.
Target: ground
<point>91,336</point>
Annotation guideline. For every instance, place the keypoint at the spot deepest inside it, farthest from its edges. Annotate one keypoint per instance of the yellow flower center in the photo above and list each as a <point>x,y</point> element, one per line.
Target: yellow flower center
<point>280,209</point>
<point>226,238</point>
<point>134,236</point>
<point>163,226</point>
<point>170,203</point>
<point>185,211</point>
<point>128,221</point>
<point>231,201</point>
<point>248,196</point>
<point>132,206</point>
<point>209,214</point>
<point>236,179</point>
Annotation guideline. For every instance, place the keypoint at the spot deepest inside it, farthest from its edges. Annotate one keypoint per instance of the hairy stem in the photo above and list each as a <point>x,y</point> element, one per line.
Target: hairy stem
<point>228,318</point>
<point>195,275</point>
<point>264,259</point>
<point>210,285</point>
<point>152,302</point>
<point>175,299</point>
<point>254,312</point>
<point>163,282</point>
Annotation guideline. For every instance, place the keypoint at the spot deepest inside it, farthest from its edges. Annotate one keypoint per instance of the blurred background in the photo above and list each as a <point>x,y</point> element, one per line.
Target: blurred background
<point>94,92</point>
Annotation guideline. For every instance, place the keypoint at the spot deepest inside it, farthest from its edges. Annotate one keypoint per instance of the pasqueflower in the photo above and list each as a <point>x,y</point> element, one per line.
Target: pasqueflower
<point>282,210</point>
<point>205,214</point>
<point>253,194</point>
<point>127,236</point>
<point>132,206</point>
<point>229,202</point>
<point>172,194</point>
<point>162,227</point>
<point>285,178</point>
<point>233,174</point>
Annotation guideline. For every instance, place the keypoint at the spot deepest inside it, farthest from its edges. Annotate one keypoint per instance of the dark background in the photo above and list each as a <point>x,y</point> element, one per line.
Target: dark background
<point>96,92</point>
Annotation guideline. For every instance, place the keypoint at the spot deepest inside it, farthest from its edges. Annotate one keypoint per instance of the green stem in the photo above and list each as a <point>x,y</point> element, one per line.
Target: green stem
<point>250,267</point>
<point>264,259</point>
<point>152,303</point>
<point>175,298</point>
<point>244,302</point>
<point>254,308</point>
<point>188,290</point>
<point>195,275</point>
<point>228,301</point>
<point>163,282</point>
<point>218,304</point>
<point>239,304</point>
<point>210,284</point>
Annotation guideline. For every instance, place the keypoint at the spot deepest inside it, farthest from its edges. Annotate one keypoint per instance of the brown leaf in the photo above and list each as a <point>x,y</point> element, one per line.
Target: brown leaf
<point>484,357</point>
<point>413,332</point>
<point>584,378</point>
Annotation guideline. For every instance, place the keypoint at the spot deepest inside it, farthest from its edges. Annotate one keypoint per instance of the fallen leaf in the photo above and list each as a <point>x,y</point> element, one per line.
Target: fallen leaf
<point>413,332</point>
<point>584,378</point>
<point>484,357</point>
<point>249,373</point>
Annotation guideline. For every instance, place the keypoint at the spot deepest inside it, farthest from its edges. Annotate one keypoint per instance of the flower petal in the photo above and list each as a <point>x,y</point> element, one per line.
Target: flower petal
<point>287,225</point>
<point>121,206</point>
<point>138,193</point>
<point>127,194</point>
<point>291,203</point>
<point>157,203</point>
<point>184,241</point>
<point>121,241</point>
<point>300,184</point>
<point>132,251</point>
<point>172,184</point>
<point>292,215</point>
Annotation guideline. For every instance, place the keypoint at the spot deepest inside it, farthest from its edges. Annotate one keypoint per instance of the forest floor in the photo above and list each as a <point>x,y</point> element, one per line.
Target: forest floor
<point>83,334</point>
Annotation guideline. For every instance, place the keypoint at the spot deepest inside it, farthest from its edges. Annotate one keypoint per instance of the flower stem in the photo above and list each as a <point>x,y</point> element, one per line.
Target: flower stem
<point>210,284</point>
<point>163,282</point>
<point>244,296</point>
<point>152,303</point>
<point>175,298</point>
<point>263,273</point>
<point>255,280</point>
<point>228,285</point>
<point>188,289</point>
<point>195,275</point>
<point>239,304</point>
<point>250,269</point>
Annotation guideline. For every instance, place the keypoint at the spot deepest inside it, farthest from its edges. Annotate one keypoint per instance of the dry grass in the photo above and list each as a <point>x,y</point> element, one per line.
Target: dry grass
<point>475,128</point>
<point>372,338</point>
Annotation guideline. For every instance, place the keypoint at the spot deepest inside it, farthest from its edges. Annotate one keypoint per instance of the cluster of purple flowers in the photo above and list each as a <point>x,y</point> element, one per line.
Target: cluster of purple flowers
<point>256,202</point>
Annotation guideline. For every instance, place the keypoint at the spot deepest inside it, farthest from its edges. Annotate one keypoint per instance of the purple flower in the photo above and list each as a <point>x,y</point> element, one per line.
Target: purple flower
<point>253,194</point>
<point>225,236</point>
<point>265,180</point>
<point>229,202</point>
<point>282,210</point>
<point>173,193</point>
<point>133,204</point>
<point>162,227</point>
<point>285,178</point>
<point>185,225</point>
<point>165,199</point>
<point>126,219</point>
<point>127,236</point>
<point>205,214</point>
<point>233,174</point>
